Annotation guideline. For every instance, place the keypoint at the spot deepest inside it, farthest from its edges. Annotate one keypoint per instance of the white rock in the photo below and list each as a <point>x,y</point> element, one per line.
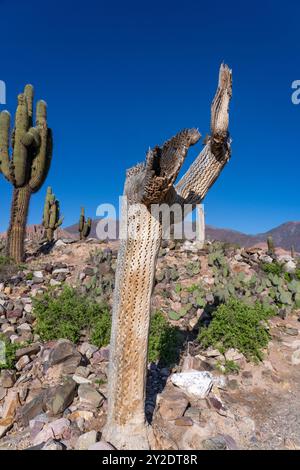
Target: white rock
<point>195,383</point>
<point>266,259</point>
<point>290,267</point>
<point>80,380</point>
<point>14,338</point>
<point>233,355</point>
<point>22,362</point>
<point>86,440</point>
<point>59,243</point>
<point>101,445</point>
<point>296,357</point>
<point>23,327</point>
<point>28,308</point>
<point>61,271</point>
<point>38,274</point>
<point>54,282</point>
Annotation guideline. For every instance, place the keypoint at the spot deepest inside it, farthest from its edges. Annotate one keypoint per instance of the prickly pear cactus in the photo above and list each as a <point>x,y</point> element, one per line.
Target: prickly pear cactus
<point>84,226</point>
<point>27,166</point>
<point>51,215</point>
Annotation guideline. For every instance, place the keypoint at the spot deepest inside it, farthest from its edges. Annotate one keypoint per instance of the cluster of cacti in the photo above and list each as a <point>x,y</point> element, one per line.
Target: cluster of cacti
<point>271,246</point>
<point>84,226</point>
<point>28,165</point>
<point>281,293</point>
<point>51,215</point>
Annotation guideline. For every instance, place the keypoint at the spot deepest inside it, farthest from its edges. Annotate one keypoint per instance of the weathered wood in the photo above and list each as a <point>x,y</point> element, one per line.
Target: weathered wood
<point>147,184</point>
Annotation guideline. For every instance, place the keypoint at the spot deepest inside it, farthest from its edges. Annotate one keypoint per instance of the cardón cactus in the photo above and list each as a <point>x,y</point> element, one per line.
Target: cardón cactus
<point>153,182</point>
<point>28,165</point>
<point>84,226</point>
<point>271,246</point>
<point>51,216</point>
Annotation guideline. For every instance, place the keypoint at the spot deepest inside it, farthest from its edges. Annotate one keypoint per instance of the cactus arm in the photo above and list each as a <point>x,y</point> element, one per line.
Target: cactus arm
<point>41,162</point>
<point>20,154</point>
<point>87,228</point>
<point>29,95</point>
<point>4,144</point>
<point>150,183</point>
<point>201,175</point>
<point>81,220</point>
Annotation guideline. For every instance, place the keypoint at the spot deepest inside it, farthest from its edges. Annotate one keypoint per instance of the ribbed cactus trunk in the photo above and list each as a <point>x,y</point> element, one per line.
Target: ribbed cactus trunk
<point>126,423</point>
<point>17,227</point>
<point>146,186</point>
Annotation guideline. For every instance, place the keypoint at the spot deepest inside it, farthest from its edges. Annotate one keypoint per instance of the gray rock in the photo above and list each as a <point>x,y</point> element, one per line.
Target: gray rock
<point>8,378</point>
<point>88,394</point>
<point>60,397</point>
<point>65,353</point>
<point>28,350</point>
<point>3,392</point>
<point>52,444</point>
<point>215,443</point>
<point>31,409</point>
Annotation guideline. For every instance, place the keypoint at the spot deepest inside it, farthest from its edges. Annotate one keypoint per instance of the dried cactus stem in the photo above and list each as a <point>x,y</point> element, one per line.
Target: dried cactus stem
<point>126,423</point>
<point>17,227</point>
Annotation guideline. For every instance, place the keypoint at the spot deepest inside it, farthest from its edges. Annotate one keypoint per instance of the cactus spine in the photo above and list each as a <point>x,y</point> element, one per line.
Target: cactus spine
<point>271,247</point>
<point>51,216</point>
<point>28,165</point>
<point>84,226</point>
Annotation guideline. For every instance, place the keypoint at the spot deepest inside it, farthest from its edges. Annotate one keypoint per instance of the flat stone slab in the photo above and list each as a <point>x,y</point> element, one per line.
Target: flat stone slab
<point>194,383</point>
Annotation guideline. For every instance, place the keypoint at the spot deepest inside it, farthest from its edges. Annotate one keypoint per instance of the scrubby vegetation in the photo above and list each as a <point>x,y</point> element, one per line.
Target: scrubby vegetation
<point>164,340</point>
<point>66,314</point>
<point>239,326</point>
<point>9,353</point>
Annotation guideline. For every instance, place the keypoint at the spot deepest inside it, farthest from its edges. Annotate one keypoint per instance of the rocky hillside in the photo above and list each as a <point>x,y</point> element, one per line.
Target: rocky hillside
<point>204,391</point>
<point>284,236</point>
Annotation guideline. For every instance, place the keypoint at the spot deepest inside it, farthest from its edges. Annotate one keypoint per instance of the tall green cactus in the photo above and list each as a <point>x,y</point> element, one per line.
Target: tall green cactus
<point>84,226</point>
<point>28,165</point>
<point>51,215</point>
<point>271,246</point>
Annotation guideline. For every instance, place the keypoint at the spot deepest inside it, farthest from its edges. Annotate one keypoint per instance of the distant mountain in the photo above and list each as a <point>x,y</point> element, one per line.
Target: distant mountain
<point>284,236</point>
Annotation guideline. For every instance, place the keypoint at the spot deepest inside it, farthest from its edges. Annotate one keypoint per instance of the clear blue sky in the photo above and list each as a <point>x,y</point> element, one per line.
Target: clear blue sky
<point>120,76</point>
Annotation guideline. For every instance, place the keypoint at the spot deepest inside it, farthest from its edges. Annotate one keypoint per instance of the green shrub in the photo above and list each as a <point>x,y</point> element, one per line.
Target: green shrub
<point>100,335</point>
<point>10,353</point>
<point>164,340</point>
<point>239,326</point>
<point>229,367</point>
<point>297,273</point>
<point>273,268</point>
<point>66,314</point>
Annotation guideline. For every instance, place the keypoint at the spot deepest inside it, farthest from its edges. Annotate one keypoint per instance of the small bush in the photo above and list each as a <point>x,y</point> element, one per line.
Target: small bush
<point>66,314</point>
<point>239,326</point>
<point>273,268</point>
<point>100,335</point>
<point>164,340</point>
<point>297,273</point>
<point>10,353</point>
<point>229,367</point>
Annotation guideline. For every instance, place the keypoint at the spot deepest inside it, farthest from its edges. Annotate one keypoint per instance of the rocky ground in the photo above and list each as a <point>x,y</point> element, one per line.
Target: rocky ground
<point>55,395</point>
